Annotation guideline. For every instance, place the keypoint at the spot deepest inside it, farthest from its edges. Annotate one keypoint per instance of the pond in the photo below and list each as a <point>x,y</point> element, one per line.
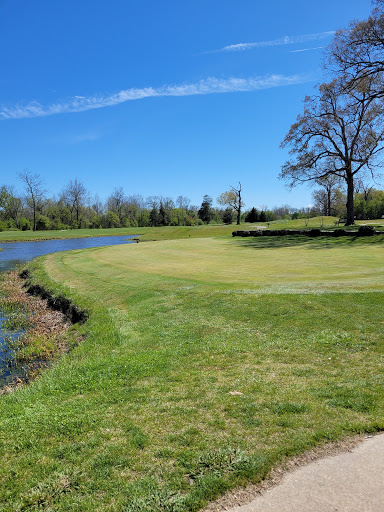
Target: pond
<point>15,253</point>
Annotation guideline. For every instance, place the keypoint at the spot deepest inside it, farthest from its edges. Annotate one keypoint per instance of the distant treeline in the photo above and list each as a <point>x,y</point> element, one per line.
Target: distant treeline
<point>74,208</point>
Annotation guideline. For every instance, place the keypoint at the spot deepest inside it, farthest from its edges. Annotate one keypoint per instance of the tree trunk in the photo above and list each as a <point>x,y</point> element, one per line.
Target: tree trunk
<point>350,198</point>
<point>34,216</point>
<point>328,213</point>
<point>239,210</point>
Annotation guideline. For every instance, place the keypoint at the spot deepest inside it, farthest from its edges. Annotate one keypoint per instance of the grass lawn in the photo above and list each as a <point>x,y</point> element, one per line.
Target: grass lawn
<point>207,361</point>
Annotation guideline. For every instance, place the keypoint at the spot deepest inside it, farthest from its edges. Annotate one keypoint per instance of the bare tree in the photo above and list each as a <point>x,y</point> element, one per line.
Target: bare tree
<point>115,202</point>
<point>282,211</point>
<point>340,133</point>
<point>33,185</point>
<point>233,199</point>
<point>357,52</point>
<point>364,188</point>
<point>97,205</point>
<point>325,195</point>
<point>74,195</point>
<point>168,203</point>
<point>153,202</point>
<point>183,205</point>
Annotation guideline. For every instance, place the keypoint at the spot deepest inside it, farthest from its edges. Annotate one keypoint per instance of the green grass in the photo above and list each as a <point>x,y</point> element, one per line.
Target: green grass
<point>175,232</point>
<point>140,416</point>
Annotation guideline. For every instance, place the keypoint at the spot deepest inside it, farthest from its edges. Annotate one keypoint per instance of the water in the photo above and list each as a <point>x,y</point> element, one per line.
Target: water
<point>13,254</point>
<point>19,252</point>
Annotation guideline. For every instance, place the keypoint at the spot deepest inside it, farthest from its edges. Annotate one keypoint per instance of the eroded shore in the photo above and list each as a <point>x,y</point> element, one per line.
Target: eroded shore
<point>45,331</point>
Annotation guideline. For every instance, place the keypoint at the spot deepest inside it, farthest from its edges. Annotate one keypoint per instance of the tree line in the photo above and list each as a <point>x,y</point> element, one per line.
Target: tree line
<point>74,207</point>
<point>340,133</point>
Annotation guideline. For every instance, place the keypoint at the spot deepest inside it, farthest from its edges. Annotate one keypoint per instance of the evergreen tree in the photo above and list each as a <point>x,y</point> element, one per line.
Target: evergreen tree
<point>227,216</point>
<point>252,216</point>
<point>206,211</point>
<point>163,218</point>
<point>154,217</point>
<point>263,216</point>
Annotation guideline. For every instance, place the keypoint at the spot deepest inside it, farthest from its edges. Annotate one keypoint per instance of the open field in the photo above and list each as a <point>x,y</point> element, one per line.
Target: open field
<point>176,232</point>
<point>207,361</point>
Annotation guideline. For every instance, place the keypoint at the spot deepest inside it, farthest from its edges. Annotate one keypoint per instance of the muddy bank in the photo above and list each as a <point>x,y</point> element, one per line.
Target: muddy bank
<point>55,303</point>
<point>45,322</point>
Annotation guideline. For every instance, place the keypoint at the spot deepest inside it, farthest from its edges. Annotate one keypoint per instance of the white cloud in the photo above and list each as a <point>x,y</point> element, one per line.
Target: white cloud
<point>208,86</point>
<point>307,49</point>
<point>240,47</point>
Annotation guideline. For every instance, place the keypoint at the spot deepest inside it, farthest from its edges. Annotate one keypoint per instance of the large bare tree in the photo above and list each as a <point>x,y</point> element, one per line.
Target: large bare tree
<point>340,132</point>
<point>33,185</point>
<point>357,52</point>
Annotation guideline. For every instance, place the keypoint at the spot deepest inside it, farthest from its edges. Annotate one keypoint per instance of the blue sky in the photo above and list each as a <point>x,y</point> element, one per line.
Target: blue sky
<point>162,98</point>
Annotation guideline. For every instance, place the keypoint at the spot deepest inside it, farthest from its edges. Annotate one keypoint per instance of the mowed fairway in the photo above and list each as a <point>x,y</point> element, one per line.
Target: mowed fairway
<point>248,265</point>
<point>206,362</point>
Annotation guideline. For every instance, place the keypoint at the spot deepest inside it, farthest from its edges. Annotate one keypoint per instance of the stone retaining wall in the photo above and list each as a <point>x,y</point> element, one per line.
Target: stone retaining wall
<point>362,231</point>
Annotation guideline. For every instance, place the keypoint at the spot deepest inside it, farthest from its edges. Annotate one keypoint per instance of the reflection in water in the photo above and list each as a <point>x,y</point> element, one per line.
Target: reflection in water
<point>8,370</point>
<point>13,254</point>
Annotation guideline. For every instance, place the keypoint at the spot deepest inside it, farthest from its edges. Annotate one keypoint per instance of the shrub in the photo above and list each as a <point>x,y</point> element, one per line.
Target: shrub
<point>25,224</point>
<point>339,232</point>
<point>190,221</point>
<point>245,233</point>
<point>366,231</point>
<point>314,232</point>
<point>11,225</point>
<point>43,223</point>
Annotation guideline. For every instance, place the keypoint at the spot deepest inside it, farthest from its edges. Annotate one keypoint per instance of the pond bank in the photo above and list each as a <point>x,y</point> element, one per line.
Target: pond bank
<point>74,237</point>
<point>16,317</point>
<point>45,331</point>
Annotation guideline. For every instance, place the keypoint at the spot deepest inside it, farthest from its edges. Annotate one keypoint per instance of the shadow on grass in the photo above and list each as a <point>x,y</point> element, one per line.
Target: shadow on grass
<point>321,242</point>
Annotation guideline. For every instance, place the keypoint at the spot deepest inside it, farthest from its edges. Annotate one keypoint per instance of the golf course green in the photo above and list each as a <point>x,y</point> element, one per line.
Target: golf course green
<point>204,363</point>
